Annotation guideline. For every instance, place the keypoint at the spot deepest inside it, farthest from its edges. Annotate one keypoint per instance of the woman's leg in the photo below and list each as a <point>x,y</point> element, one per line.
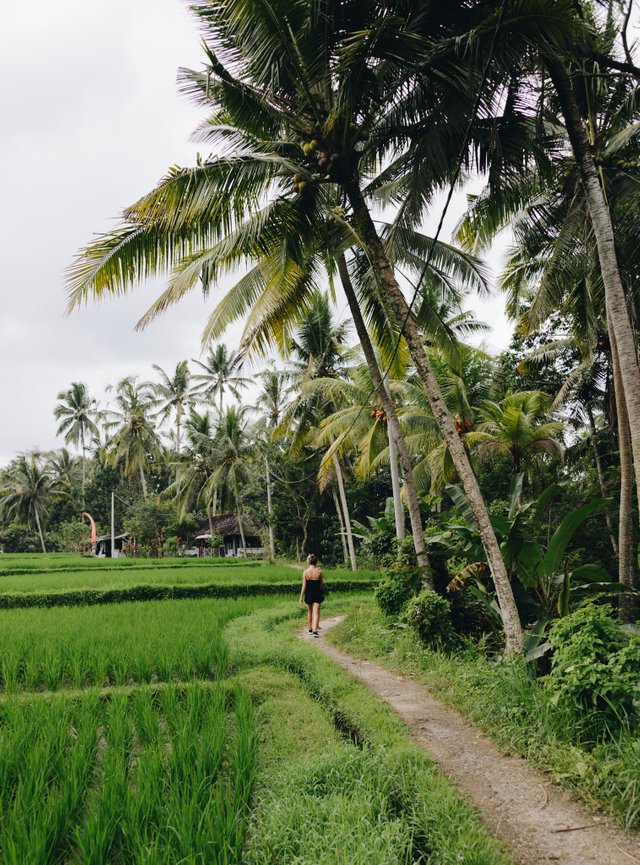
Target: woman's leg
<point>310,616</point>
<point>316,617</point>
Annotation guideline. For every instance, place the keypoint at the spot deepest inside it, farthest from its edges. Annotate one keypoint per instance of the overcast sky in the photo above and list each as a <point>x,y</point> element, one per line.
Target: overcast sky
<point>90,120</point>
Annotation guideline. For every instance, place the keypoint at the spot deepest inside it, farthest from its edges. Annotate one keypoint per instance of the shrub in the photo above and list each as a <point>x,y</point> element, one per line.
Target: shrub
<point>400,584</point>
<point>429,614</point>
<point>595,672</point>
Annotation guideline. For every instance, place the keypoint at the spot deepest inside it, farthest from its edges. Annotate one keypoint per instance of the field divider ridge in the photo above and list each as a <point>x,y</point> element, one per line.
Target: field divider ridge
<point>87,597</point>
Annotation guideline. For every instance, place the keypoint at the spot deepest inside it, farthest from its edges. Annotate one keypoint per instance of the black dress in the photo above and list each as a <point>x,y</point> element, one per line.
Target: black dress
<point>313,593</point>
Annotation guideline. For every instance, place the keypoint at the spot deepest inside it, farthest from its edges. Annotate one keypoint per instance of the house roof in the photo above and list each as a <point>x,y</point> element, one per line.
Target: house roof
<point>227,524</point>
<point>116,537</point>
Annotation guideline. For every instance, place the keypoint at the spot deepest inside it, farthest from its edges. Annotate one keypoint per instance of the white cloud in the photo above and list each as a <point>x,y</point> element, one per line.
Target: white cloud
<point>91,119</point>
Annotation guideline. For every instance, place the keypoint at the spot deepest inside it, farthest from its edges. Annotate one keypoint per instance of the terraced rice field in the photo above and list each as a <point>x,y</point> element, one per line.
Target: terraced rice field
<point>203,732</point>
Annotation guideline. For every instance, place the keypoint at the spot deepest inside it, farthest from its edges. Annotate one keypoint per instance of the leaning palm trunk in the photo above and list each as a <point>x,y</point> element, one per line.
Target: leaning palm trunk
<point>345,511</point>
<point>39,527</point>
<point>411,493</point>
<point>84,460</point>
<point>626,563</point>
<point>398,507</point>
<point>615,301</point>
<point>143,483</point>
<point>600,474</point>
<point>272,546</point>
<point>345,552</point>
<point>384,272</point>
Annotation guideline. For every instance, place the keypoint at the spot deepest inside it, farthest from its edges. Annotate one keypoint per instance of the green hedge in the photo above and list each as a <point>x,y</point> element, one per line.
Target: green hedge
<point>84,597</point>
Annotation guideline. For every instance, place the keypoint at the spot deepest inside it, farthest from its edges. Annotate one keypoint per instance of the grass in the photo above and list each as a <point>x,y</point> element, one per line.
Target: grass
<point>153,778</point>
<point>339,779</point>
<point>505,702</point>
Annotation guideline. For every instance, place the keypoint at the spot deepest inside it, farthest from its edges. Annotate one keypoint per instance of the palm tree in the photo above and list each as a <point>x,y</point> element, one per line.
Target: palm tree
<point>319,351</point>
<point>65,469</point>
<point>556,263</point>
<point>134,440</point>
<point>27,491</point>
<point>172,394</point>
<point>233,457</point>
<point>77,414</point>
<point>221,374</point>
<point>513,426</point>
<point>271,402</point>
<point>305,116</point>
<point>194,483</point>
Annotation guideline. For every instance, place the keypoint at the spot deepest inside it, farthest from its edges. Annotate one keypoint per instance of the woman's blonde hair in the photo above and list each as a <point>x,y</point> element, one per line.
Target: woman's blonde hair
<point>311,559</point>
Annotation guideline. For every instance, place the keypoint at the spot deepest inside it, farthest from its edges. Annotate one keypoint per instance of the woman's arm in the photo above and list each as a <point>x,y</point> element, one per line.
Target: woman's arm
<point>304,586</point>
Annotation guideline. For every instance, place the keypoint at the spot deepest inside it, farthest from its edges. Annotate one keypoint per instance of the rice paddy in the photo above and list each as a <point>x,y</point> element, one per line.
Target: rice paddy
<point>159,777</point>
<point>203,731</point>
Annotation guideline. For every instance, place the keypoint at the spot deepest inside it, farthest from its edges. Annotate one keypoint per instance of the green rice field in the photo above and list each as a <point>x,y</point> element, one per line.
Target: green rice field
<point>69,573</point>
<point>204,732</point>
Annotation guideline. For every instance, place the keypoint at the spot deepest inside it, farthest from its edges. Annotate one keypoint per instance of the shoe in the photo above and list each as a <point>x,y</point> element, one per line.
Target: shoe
<point>315,633</point>
<point>310,631</point>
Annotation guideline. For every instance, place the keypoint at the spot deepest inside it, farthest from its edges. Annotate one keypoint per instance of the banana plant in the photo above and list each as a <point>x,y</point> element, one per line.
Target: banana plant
<point>544,582</point>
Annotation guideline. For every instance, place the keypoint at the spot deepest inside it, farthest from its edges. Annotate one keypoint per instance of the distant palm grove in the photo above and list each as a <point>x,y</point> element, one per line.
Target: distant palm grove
<point>358,419</point>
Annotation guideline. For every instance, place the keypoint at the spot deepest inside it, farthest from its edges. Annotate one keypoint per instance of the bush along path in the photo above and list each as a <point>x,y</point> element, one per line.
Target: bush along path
<point>535,819</point>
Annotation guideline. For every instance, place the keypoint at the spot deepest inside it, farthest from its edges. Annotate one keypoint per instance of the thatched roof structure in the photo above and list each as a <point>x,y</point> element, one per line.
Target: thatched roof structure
<point>227,524</point>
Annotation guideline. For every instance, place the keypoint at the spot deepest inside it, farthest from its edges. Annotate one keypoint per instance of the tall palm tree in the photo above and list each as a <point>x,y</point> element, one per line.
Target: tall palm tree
<point>556,262</point>
<point>305,108</point>
<point>173,394</point>
<point>220,374</point>
<point>134,440</point>
<point>233,454</point>
<point>194,484</point>
<point>77,413</point>
<point>271,402</point>
<point>27,491</point>
<point>319,351</point>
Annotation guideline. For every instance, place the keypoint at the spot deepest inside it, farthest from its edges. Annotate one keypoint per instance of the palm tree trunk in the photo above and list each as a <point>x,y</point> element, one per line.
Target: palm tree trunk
<point>210,515</point>
<point>242,537</point>
<point>272,545</point>
<point>345,553</point>
<point>600,475</point>
<point>143,483</point>
<point>83,462</point>
<point>411,493</point>
<point>178,413</point>
<point>626,560</point>
<point>345,511</point>
<point>398,506</point>
<point>510,618</point>
<point>39,527</point>
<point>215,501</point>
<point>615,300</point>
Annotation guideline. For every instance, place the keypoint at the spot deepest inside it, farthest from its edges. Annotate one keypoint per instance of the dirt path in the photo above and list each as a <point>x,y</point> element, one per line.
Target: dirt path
<point>534,818</point>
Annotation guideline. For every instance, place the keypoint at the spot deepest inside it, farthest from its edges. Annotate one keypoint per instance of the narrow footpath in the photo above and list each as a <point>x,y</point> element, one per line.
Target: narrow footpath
<point>535,820</point>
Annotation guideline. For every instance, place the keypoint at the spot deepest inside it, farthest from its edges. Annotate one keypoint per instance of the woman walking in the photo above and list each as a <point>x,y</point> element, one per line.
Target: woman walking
<point>312,593</point>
